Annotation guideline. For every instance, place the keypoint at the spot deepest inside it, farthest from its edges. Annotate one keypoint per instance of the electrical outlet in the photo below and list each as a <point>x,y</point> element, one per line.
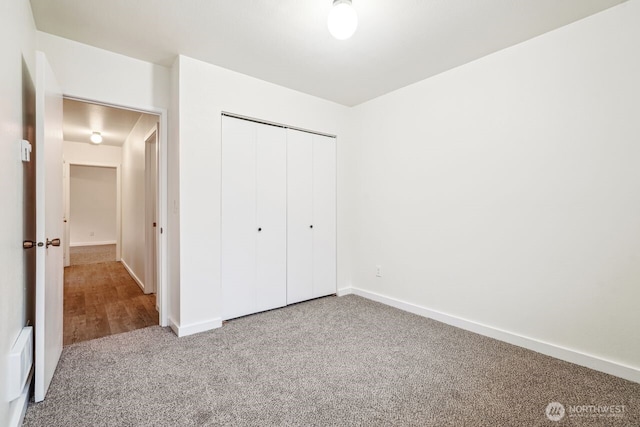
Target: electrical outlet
<point>378,271</point>
<point>92,234</point>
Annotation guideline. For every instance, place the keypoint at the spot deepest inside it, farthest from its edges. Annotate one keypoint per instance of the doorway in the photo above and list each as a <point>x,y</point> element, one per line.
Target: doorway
<point>93,220</point>
<point>112,253</point>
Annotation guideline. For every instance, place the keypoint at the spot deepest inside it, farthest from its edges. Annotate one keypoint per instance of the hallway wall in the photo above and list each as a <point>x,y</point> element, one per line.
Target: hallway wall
<point>93,205</point>
<point>133,197</point>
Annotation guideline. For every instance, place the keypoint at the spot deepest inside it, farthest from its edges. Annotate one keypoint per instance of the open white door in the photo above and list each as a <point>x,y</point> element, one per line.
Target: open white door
<point>49,226</point>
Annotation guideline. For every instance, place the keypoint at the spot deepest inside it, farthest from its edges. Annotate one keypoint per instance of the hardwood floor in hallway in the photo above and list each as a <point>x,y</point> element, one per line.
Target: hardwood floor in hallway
<point>102,299</point>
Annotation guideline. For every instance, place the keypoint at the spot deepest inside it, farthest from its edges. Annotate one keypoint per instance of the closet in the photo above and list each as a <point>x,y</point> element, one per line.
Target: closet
<point>278,216</point>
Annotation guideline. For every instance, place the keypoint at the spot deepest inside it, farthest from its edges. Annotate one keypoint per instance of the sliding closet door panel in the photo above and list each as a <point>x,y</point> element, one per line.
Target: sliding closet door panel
<point>299,216</point>
<point>271,249</point>
<point>324,216</point>
<point>238,217</point>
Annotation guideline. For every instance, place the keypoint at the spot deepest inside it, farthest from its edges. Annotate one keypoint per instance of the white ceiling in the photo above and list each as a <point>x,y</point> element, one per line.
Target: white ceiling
<point>398,42</point>
<point>82,118</point>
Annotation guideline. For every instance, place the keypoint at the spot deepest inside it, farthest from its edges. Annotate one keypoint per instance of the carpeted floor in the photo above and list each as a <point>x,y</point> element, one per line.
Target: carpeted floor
<point>79,255</point>
<point>332,361</point>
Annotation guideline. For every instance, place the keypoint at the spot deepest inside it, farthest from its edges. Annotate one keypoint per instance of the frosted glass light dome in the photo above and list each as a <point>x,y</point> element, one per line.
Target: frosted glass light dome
<point>96,137</point>
<point>343,20</point>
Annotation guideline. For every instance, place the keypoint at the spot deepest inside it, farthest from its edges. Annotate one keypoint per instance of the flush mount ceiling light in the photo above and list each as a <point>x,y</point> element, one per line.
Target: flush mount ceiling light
<point>343,19</point>
<point>96,137</point>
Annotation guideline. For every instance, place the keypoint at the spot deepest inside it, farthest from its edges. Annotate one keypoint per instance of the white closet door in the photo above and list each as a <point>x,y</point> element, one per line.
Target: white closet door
<point>299,216</point>
<point>324,216</point>
<point>271,248</point>
<point>239,227</point>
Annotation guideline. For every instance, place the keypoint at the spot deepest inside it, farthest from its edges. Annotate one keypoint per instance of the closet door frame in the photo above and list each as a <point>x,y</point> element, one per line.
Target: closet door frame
<point>314,285</point>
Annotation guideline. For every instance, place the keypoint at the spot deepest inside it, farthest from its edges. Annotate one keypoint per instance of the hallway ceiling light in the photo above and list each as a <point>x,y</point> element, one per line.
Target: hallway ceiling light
<point>96,137</point>
<point>343,20</point>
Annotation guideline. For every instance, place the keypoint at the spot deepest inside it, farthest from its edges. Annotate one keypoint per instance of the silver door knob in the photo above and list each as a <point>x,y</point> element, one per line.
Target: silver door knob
<point>53,242</point>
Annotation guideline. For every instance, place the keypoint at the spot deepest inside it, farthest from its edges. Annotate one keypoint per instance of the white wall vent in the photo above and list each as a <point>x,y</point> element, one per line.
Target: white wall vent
<point>20,362</point>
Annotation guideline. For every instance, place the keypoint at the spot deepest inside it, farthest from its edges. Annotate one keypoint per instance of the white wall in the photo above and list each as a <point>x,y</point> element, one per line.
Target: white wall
<point>96,74</point>
<point>82,152</point>
<point>507,191</point>
<point>93,202</point>
<point>133,196</point>
<point>204,92</point>
<point>17,38</point>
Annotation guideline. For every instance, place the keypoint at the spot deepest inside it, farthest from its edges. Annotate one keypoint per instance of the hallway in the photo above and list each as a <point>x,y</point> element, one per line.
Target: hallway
<point>102,299</point>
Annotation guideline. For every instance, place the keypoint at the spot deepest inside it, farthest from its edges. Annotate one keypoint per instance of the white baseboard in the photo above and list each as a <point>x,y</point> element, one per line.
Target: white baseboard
<point>194,328</point>
<point>18,407</point>
<point>133,275</point>
<point>106,242</point>
<point>344,291</point>
<point>174,326</point>
<point>559,352</point>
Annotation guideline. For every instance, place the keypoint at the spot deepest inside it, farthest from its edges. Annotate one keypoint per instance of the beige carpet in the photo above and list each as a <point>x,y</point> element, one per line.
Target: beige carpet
<point>336,361</point>
<point>79,255</point>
